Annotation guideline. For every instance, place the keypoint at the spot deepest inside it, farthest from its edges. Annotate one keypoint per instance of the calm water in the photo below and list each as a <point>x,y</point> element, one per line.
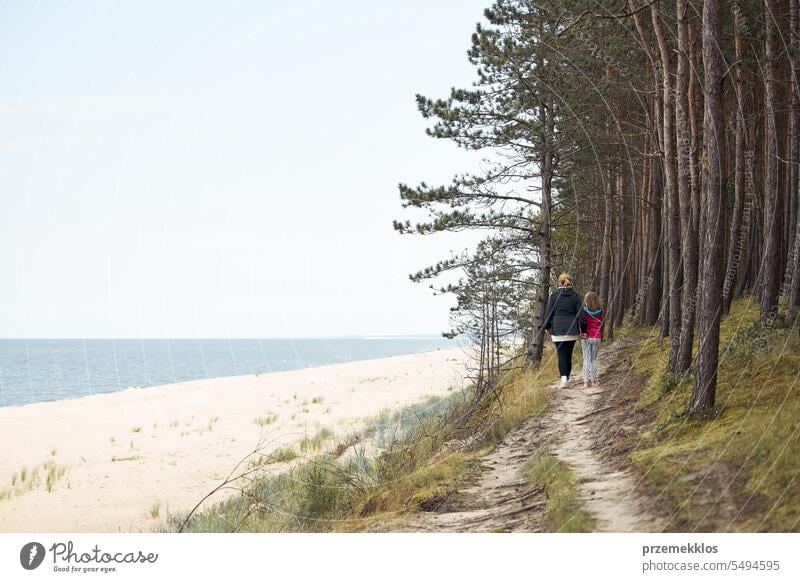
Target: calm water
<point>43,369</point>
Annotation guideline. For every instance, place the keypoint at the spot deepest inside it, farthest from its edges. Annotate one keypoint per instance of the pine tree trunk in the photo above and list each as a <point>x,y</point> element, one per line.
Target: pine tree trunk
<point>690,256</point>
<point>696,121</point>
<point>793,266</point>
<point>605,252</point>
<point>665,272</point>
<point>749,222</point>
<point>772,234</point>
<point>794,119</point>
<point>735,244</point>
<point>614,295</point>
<point>622,252</point>
<point>655,248</point>
<point>545,251</point>
<point>645,259</point>
<point>655,252</point>
<point>671,199</point>
<point>710,305</point>
<point>655,235</point>
<point>536,349</point>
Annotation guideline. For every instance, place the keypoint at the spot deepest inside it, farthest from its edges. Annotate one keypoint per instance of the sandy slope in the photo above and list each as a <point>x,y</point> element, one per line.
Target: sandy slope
<point>122,454</point>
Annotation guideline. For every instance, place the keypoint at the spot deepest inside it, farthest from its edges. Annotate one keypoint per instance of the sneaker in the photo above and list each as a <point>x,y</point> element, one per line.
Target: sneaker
<point>563,381</point>
<point>586,384</point>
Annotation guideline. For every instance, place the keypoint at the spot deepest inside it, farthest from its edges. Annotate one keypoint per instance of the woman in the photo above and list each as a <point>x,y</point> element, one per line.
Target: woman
<point>565,322</point>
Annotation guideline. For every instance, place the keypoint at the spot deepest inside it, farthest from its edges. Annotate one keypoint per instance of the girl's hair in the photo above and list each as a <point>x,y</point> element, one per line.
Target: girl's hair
<point>565,280</point>
<point>591,301</point>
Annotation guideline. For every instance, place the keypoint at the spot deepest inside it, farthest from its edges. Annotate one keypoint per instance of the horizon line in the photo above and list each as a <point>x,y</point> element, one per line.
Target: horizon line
<point>133,338</point>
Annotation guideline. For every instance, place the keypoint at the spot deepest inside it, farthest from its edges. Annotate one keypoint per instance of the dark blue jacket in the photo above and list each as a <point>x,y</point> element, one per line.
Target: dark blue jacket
<point>564,315</point>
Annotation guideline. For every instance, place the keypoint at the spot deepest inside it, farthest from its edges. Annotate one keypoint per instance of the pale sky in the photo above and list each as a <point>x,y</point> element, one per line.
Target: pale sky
<point>221,169</point>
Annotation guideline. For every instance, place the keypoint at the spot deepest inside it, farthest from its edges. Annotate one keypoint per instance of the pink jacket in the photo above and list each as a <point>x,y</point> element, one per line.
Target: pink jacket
<point>593,321</point>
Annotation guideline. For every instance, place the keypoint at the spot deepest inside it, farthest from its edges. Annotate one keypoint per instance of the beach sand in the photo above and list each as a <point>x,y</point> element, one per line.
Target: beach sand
<point>120,461</point>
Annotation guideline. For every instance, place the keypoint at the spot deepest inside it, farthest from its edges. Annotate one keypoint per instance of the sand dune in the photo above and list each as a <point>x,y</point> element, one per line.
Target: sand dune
<point>120,461</point>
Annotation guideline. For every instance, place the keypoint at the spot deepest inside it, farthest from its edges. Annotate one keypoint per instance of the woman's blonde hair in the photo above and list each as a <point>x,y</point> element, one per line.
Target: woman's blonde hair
<point>565,280</point>
<point>591,301</point>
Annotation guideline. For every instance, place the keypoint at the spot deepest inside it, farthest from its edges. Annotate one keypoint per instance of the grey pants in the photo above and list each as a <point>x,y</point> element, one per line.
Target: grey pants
<point>590,348</point>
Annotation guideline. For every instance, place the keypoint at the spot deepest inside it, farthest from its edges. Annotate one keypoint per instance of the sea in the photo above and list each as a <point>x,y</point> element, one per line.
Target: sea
<point>38,370</point>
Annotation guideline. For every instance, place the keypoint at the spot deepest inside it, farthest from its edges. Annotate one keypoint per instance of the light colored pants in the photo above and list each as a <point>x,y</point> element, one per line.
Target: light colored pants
<point>590,348</point>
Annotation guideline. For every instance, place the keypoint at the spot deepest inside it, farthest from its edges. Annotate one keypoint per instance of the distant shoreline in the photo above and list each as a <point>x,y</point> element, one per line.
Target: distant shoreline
<point>215,378</point>
<point>43,370</point>
<point>118,461</point>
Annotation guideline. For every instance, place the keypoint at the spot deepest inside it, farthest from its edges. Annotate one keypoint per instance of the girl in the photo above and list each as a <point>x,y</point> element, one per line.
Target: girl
<point>564,322</point>
<point>593,315</point>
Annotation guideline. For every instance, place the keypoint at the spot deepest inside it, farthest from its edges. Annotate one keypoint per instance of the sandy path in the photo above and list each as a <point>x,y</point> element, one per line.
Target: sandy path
<point>500,501</point>
<point>120,461</point>
<point>610,494</point>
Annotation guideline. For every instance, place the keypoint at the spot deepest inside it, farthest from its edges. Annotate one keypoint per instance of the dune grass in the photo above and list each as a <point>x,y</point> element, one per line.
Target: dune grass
<point>315,443</point>
<point>405,460</point>
<point>266,420</point>
<point>284,454</point>
<point>44,476</point>
<point>155,510</point>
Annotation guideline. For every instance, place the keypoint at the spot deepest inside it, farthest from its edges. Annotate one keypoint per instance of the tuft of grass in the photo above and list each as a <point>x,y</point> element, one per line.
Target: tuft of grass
<point>44,476</point>
<point>283,455</point>
<point>565,510</point>
<point>316,442</point>
<point>279,455</point>
<point>155,510</point>
<point>136,429</point>
<point>669,381</point>
<point>317,400</point>
<point>266,420</point>
<point>53,475</point>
